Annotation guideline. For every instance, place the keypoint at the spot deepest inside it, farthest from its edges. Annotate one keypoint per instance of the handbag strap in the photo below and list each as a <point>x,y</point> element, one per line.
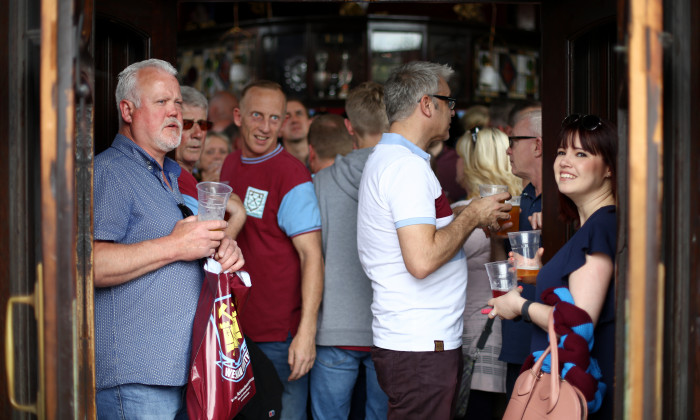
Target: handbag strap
<point>481,343</point>
<point>554,351</point>
<point>485,334</point>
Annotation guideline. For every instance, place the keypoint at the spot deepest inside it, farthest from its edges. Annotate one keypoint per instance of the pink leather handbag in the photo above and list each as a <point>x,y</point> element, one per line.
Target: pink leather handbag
<point>541,395</point>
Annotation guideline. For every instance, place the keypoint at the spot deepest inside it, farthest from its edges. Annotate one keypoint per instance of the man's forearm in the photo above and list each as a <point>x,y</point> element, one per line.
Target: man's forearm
<point>425,249</point>
<point>456,233</point>
<point>311,294</point>
<point>237,216</point>
<point>235,224</point>
<point>119,263</point>
<point>308,247</point>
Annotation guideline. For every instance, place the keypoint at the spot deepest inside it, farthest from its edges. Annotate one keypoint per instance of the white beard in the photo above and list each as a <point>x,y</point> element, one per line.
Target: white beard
<point>168,143</point>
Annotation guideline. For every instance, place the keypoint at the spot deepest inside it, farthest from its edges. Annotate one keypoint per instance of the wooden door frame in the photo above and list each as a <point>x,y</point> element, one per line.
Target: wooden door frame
<point>681,226</point>
<point>63,338</point>
<point>6,47</point>
<point>682,308</point>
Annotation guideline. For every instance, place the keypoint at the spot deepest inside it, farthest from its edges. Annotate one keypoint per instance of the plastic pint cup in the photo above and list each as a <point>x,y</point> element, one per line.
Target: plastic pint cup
<point>525,245</point>
<point>211,200</point>
<point>501,277</point>
<point>486,190</point>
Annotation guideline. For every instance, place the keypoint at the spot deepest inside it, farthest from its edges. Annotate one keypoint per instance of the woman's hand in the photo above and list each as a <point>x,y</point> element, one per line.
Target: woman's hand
<point>520,261</point>
<point>535,220</point>
<point>507,306</point>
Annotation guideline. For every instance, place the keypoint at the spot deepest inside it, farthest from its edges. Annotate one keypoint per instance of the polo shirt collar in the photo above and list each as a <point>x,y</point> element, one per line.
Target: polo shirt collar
<point>138,155</point>
<point>398,139</point>
<point>277,150</point>
<point>529,191</point>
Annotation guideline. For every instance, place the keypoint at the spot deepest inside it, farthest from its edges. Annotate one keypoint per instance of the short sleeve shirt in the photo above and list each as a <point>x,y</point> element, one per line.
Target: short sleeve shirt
<point>399,189</point>
<point>143,327</point>
<point>280,203</point>
<point>597,235</point>
<point>188,188</point>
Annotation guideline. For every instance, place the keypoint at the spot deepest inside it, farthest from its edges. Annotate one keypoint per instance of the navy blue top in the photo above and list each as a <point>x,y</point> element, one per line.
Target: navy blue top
<point>517,334</point>
<point>597,235</point>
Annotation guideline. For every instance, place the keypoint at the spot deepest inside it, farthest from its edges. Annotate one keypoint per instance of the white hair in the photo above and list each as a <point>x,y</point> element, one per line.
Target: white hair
<point>127,86</point>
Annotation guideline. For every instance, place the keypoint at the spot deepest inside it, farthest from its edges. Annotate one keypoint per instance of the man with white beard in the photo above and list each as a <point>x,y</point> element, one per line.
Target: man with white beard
<point>147,274</point>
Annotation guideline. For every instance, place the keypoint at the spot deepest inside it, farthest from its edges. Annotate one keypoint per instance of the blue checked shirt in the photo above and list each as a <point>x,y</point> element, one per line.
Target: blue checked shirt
<point>143,327</point>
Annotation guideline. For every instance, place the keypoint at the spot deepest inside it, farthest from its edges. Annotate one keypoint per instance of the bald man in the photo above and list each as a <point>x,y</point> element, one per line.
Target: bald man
<point>221,107</point>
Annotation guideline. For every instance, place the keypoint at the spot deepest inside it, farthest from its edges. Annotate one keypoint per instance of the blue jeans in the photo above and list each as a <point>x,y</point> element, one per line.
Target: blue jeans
<point>295,393</point>
<point>333,378</point>
<point>138,401</point>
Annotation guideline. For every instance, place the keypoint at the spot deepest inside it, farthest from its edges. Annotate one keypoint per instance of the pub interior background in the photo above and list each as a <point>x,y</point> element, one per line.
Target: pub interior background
<point>319,50</point>
<point>632,61</point>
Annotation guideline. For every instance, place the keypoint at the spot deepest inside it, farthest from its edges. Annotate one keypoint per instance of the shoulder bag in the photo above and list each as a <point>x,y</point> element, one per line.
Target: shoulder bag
<point>541,395</point>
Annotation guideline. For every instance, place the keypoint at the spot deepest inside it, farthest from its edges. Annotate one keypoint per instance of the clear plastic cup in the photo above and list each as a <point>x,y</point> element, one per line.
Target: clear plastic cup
<point>211,200</point>
<point>486,190</point>
<point>502,277</point>
<point>525,245</point>
<point>514,217</point>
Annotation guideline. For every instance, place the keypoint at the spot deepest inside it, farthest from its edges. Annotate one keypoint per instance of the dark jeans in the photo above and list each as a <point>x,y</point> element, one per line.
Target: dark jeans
<point>420,385</point>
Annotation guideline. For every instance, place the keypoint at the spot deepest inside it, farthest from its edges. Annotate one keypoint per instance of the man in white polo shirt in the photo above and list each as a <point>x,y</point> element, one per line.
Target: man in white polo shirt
<point>410,246</point>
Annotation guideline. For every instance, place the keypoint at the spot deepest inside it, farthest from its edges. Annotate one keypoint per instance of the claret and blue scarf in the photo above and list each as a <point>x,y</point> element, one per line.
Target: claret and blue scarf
<point>575,328</point>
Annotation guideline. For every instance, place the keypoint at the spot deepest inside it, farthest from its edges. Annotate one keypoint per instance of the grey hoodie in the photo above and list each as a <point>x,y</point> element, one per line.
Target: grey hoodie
<point>345,318</point>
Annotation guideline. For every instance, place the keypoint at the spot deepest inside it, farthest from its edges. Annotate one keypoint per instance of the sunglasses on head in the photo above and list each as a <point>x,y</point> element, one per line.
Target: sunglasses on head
<point>586,121</point>
<point>204,125</point>
<point>474,132</point>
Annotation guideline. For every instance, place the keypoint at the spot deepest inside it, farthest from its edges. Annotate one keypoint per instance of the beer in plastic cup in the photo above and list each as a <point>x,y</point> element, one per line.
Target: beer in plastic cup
<point>502,277</point>
<point>525,245</point>
<point>514,217</point>
<point>211,200</point>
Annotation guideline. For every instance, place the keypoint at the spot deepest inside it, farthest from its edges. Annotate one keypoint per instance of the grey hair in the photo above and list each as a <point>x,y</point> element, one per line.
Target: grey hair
<point>193,98</point>
<point>127,86</point>
<point>534,118</point>
<point>408,83</point>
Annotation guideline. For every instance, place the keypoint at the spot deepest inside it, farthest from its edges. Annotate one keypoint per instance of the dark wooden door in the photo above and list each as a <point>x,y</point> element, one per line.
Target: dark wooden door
<point>581,73</point>
<point>127,31</point>
<point>681,209</point>
<point>48,361</point>
<point>48,102</point>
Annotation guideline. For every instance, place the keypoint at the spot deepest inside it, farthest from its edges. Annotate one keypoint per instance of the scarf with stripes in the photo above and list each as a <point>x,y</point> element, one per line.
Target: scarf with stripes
<point>575,328</point>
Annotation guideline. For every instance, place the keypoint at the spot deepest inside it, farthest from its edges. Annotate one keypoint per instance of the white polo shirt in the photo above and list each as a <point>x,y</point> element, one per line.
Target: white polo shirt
<point>398,188</point>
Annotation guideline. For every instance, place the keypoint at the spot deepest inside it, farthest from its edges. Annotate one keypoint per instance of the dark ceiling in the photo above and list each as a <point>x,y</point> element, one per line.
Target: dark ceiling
<point>194,15</point>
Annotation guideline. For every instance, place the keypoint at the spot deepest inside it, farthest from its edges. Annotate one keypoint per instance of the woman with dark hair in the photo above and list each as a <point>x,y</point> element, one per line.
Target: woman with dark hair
<point>578,282</point>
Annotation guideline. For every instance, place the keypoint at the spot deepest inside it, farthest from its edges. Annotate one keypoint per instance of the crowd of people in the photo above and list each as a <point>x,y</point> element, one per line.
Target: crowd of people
<point>364,236</point>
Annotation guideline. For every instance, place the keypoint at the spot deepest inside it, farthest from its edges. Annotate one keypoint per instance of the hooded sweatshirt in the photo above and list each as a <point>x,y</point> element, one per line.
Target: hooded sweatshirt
<point>345,318</point>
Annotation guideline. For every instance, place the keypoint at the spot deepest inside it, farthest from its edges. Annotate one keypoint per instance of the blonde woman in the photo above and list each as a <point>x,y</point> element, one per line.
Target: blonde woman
<point>483,160</point>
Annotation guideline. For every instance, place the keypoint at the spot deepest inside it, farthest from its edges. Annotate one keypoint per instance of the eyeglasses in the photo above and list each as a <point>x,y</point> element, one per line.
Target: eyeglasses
<point>450,101</point>
<point>588,122</point>
<point>512,139</point>
<point>204,125</point>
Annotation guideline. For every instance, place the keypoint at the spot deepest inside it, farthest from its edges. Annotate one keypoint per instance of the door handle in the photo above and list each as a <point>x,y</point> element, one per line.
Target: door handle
<point>37,301</point>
